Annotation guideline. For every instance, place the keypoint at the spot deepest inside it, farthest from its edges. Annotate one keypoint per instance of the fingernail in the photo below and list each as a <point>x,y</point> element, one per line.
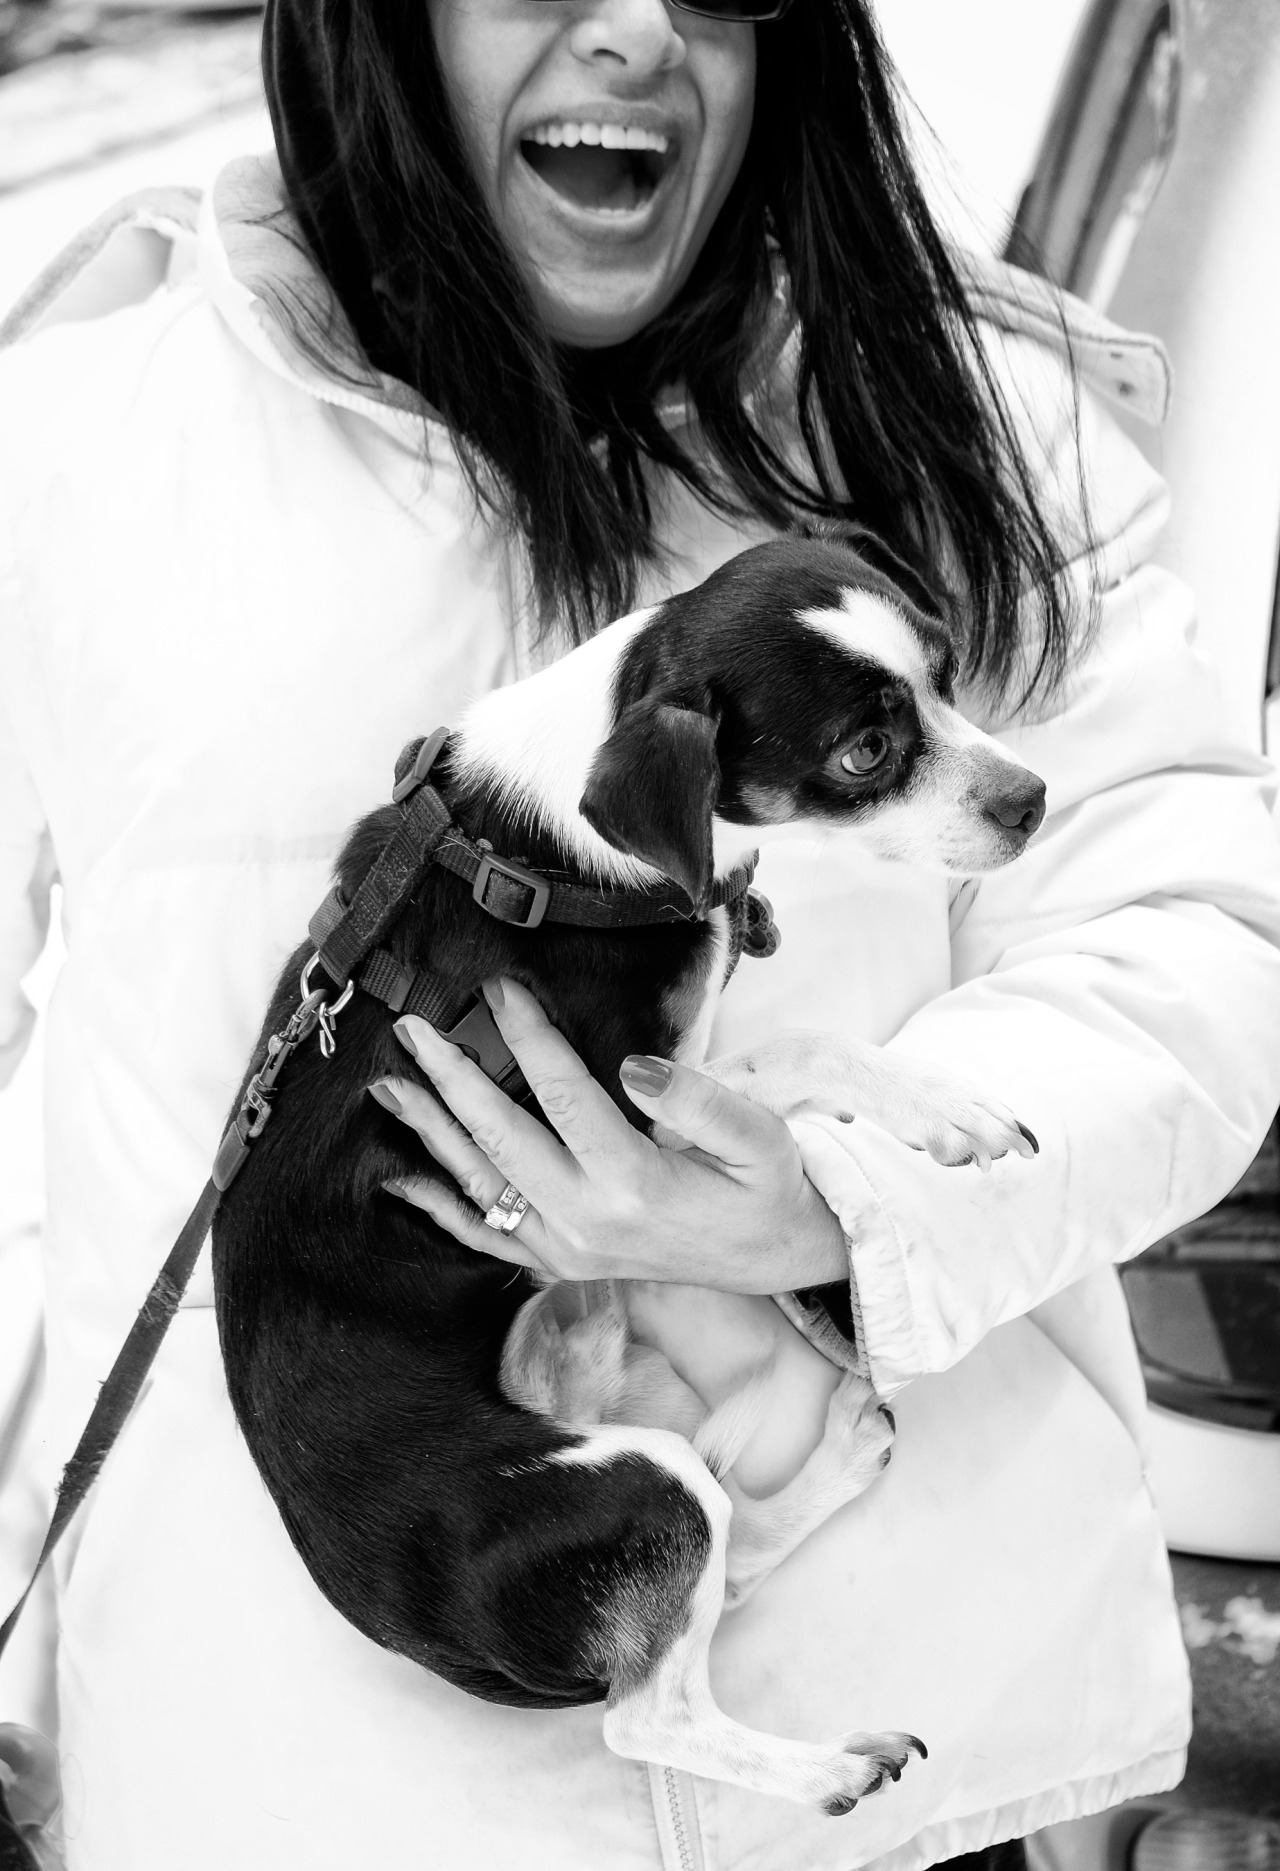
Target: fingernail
<point>405,1034</point>
<point>384,1095</point>
<point>1030,1139</point>
<point>641,1073</point>
<point>492,991</point>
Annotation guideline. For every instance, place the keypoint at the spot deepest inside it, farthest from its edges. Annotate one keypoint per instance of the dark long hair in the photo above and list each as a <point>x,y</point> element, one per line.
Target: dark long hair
<point>903,426</point>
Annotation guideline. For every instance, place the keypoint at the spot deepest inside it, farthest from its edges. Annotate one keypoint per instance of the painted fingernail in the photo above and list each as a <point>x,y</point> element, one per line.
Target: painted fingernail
<point>384,1095</point>
<point>641,1073</point>
<point>1030,1138</point>
<point>492,991</point>
<point>406,1035</point>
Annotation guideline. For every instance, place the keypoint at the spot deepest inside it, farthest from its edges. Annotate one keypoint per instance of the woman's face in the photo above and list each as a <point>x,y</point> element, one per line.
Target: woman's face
<point>606,135</point>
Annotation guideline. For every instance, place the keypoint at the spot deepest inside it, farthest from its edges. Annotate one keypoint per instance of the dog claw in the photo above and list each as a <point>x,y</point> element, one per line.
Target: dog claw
<point>839,1807</point>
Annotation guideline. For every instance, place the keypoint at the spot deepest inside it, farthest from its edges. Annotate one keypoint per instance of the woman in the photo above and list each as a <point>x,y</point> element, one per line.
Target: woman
<point>399,419</point>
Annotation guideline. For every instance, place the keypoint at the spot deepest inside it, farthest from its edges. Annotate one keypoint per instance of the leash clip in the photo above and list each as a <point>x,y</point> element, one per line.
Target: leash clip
<point>255,1103</point>
<point>324,1013</point>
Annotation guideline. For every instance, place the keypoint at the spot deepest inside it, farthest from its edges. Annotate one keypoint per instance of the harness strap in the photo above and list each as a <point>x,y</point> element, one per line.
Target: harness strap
<point>514,893</point>
<point>386,887</point>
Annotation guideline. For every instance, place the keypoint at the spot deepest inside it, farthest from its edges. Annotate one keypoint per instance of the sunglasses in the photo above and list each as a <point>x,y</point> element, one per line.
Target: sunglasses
<point>745,12</point>
<point>741,12</point>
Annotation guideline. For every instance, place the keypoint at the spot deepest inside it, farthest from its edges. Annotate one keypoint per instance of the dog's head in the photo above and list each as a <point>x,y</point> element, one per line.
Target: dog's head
<point>800,684</point>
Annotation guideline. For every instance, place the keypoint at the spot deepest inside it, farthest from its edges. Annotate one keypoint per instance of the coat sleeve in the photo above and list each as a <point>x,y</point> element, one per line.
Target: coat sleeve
<point>27,871</point>
<point>1118,986</point>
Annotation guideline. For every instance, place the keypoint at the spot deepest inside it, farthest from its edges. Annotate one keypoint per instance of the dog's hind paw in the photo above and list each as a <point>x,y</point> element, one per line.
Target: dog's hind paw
<point>868,1761</point>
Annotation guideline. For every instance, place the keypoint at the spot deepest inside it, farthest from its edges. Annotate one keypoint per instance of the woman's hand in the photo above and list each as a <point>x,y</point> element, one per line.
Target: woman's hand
<point>735,1210</point>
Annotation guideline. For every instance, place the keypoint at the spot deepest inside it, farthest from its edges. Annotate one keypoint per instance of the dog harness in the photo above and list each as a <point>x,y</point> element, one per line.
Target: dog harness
<point>348,939</point>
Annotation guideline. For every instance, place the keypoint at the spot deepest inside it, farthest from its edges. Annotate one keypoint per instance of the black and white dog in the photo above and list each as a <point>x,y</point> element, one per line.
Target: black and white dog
<point>499,1481</point>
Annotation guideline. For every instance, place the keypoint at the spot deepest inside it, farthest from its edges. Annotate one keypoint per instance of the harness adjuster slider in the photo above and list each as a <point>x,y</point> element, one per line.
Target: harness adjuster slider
<point>423,761</point>
<point>491,864</point>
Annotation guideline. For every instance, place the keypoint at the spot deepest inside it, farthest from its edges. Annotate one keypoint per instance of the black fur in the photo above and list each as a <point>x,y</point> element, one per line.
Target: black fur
<point>361,1343</point>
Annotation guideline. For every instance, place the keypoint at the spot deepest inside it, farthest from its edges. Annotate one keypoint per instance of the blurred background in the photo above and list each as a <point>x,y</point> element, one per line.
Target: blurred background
<point>1130,150</point>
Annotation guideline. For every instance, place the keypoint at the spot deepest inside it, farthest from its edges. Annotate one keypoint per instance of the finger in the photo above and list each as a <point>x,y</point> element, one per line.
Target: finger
<point>513,1141</point>
<point>581,1110</point>
<point>464,1222</point>
<point>709,1116</point>
<point>450,1145</point>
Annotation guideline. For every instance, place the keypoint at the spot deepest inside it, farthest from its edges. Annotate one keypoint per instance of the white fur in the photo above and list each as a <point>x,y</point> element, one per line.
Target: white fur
<point>874,627</point>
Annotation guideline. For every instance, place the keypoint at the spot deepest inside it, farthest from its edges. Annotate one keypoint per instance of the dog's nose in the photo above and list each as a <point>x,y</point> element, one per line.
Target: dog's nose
<point>1021,809</point>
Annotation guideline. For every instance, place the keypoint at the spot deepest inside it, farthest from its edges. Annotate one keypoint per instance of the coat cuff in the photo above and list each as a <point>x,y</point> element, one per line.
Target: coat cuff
<point>888,1348</point>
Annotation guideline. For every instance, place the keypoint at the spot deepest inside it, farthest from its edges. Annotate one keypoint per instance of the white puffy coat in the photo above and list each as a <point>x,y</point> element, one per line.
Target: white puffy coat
<point>230,591</point>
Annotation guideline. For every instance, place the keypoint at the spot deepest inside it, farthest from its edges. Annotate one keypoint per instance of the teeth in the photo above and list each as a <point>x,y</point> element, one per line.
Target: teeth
<point>608,135</point>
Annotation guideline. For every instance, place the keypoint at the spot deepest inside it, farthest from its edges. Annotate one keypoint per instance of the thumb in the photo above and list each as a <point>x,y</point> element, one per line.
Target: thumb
<point>704,1113</point>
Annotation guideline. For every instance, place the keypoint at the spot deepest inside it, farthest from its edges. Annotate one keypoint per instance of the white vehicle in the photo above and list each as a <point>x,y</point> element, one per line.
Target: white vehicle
<point>1153,196</point>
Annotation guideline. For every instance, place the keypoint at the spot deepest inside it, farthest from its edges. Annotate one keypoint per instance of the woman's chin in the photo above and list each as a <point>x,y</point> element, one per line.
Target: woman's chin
<point>587,322</point>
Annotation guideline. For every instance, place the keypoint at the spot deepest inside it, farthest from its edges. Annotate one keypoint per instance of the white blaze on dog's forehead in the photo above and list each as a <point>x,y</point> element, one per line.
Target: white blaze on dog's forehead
<point>533,744</point>
<point>873,626</point>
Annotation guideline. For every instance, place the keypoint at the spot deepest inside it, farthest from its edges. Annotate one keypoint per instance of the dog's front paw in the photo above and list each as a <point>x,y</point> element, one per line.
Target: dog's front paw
<point>953,1121</point>
<point>959,1125</point>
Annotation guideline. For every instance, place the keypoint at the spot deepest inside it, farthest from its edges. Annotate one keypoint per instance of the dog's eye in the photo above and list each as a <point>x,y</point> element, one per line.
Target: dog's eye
<point>868,752</point>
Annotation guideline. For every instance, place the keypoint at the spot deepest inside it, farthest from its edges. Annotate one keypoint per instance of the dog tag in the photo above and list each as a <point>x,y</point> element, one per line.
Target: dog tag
<point>763,936</point>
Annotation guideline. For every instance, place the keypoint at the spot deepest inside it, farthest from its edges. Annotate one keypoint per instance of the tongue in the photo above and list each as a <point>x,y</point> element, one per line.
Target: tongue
<point>589,175</point>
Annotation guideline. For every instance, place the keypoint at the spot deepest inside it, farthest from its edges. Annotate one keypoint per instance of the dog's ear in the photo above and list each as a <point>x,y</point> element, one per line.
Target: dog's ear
<point>652,790</point>
<point>921,591</point>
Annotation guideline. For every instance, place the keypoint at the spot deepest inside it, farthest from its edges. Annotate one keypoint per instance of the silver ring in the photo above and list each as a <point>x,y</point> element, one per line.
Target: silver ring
<point>508,1211</point>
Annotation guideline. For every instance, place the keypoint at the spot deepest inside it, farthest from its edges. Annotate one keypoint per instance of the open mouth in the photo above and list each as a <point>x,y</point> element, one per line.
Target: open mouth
<point>606,169</point>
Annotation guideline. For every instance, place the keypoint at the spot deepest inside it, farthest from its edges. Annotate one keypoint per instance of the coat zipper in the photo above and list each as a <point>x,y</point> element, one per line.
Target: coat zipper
<point>676,1812</point>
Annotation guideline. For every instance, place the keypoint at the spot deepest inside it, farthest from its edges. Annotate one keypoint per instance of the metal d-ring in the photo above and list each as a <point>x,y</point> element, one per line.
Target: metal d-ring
<point>325,1014</point>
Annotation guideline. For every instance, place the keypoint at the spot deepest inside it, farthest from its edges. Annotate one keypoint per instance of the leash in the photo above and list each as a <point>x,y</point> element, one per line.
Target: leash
<point>347,938</point>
